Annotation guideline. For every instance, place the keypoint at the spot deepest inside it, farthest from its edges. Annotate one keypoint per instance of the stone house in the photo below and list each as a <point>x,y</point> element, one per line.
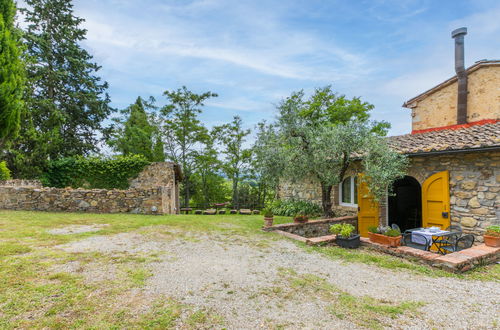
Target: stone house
<point>454,153</point>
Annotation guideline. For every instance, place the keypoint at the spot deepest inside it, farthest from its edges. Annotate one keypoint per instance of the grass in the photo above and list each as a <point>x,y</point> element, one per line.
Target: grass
<point>35,293</point>
<point>485,273</point>
<point>364,311</point>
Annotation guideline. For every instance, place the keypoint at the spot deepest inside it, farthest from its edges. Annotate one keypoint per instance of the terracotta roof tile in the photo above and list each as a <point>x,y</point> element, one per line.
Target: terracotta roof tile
<point>474,137</point>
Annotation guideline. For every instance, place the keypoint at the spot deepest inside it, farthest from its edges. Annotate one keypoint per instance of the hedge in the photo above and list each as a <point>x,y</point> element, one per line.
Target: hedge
<point>94,172</point>
<point>4,171</point>
<point>290,208</point>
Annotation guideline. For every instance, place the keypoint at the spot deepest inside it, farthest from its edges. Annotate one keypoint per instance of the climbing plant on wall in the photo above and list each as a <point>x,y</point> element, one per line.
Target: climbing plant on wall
<point>94,172</point>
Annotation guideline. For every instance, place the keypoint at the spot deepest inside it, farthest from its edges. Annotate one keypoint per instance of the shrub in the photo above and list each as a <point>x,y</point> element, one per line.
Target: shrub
<point>290,208</point>
<point>268,213</point>
<point>343,229</point>
<point>493,230</point>
<point>392,232</point>
<point>4,171</point>
<point>387,231</point>
<point>94,172</point>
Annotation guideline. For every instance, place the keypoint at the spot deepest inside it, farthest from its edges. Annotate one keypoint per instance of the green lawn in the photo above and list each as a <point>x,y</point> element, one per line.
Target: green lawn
<point>32,294</point>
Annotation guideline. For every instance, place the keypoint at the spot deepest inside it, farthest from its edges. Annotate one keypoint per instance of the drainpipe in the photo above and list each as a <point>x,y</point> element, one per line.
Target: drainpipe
<point>458,35</point>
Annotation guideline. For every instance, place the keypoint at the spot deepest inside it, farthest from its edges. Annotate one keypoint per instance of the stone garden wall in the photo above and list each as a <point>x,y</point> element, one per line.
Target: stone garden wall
<point>313,228</point>
<point>155,191</point>
<point>143,201</point>
<point>21,183</point>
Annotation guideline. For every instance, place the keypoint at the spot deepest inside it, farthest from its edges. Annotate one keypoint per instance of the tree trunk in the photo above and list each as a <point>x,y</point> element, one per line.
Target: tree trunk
<point>326,201</point>
<point>186,191</point>
<point>235,194</point>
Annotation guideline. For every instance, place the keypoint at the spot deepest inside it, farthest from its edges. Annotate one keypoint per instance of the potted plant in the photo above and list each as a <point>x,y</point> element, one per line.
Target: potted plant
<point>492,236</point>
<point>345,235</point>
<point>300,218</point>
<point>268,217</point>
<point>385,236</point>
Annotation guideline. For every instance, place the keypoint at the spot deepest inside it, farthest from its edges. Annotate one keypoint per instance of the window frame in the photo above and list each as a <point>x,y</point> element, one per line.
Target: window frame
<point>353,182</point>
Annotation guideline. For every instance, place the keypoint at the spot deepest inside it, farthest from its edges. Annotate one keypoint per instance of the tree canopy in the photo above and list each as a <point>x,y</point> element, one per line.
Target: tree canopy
<point>320,138</point>
<point>12,75</point>
<point>66,99</point>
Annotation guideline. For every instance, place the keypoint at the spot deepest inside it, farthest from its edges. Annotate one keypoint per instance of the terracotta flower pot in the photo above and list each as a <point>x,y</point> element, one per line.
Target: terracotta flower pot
<point>385,240</point>
<point>300,220</point>
<point>492,241</point>
<point>268,222</point>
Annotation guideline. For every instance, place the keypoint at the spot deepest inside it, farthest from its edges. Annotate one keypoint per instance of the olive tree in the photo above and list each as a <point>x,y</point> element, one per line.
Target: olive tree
<point>312,144</point>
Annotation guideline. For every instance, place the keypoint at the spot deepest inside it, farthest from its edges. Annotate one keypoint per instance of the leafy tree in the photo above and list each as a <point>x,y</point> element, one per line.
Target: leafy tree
<point>210,184</point>
<point>237,158</point>
<point>67,101</point>
<point>134,136</point>
<point>321,139</point>
<point>183,132</point>
<point>12,75</point>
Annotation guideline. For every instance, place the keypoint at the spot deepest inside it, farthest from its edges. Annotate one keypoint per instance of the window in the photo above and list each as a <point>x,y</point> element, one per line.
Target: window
<point>349,191</point>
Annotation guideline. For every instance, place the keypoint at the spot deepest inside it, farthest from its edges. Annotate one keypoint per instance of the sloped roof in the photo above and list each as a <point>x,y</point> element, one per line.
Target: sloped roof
<point>476,137</point>
<point>476,66</point>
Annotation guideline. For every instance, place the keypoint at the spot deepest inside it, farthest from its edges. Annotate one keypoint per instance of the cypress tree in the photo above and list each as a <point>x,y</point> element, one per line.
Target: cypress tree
<point>11,73</point>
<point>135,134</point>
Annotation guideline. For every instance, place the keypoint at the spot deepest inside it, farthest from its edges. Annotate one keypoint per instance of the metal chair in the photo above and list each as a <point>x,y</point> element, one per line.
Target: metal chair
<point>461,243</point>
<point>416,241</point>
<point>454,228</point>
<point>450,241</point>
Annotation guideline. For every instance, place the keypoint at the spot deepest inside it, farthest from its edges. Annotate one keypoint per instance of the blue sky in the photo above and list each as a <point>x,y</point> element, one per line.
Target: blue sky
<point>254,53</point>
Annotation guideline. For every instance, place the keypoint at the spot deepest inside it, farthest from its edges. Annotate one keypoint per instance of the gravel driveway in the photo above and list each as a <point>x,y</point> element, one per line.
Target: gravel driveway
<point>253,282</point>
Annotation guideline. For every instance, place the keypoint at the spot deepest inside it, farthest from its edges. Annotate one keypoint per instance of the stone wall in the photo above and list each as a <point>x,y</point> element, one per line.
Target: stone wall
<point>154,191</point>
<point>474,186</point>
<point>313,228</point>
<point>440,108</point>
<point>311,191</point>
<point>143,201</point>
<point>21,183</point>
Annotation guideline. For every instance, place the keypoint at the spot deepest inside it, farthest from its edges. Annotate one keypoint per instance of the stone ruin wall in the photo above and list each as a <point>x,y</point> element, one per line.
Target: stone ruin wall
<point>154,191</point>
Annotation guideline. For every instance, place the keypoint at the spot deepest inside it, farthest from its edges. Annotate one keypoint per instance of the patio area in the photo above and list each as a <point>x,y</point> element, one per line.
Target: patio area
<point>315,232</point>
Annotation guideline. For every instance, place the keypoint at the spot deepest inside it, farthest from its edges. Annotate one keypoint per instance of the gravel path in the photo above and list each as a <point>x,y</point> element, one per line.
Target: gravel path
<point>241,279</point>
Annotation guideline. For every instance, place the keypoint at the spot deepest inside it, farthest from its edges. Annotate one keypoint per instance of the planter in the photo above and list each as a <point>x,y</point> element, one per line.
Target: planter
<point>492,241</point>
<point>268,222</point>
<point>352,242</point>
<point>385,240</point>
<point>300,220</point>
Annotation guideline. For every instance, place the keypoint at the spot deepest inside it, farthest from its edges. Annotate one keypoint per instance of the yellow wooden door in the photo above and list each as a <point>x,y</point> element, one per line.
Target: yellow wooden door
<point>436,201</point>
<point>368,209</point>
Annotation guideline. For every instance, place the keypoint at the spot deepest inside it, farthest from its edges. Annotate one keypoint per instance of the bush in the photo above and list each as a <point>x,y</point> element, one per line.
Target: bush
<point>290,208</point>
<point>268,213</point>
<point>94,172</point>
<point>387,231</point>
<point>4,171</point>
<point>493,230</point>
<point>343,229</point>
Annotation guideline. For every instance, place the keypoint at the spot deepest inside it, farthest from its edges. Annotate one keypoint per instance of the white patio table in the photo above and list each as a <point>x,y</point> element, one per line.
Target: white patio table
<point>431,235</point>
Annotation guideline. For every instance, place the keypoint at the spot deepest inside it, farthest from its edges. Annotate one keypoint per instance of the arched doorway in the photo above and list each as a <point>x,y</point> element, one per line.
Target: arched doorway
<point>405,204</point>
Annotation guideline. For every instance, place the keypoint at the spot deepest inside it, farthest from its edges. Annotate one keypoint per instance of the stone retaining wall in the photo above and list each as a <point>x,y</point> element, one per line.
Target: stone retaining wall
<point>143,201</point>
<point>313,228</point>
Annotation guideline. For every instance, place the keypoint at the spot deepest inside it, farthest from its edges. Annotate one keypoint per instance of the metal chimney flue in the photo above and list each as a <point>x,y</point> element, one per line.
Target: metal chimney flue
<point>458,35</point>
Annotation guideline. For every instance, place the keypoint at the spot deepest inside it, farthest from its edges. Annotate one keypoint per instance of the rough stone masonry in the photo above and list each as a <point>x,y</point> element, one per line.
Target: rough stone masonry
<point>154,191</point>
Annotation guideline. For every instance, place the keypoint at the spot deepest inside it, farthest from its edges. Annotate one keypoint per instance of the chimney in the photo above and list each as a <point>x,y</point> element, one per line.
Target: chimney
<point>458,35</point>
